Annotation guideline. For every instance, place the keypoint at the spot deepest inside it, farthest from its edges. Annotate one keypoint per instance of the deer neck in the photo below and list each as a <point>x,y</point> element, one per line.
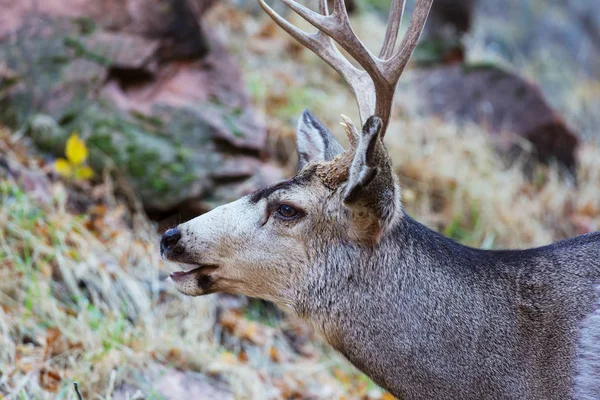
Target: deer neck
<point>351,282</point>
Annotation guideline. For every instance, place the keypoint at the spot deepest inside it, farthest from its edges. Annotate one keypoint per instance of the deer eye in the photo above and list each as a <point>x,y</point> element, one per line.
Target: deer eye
<point>286,212</point>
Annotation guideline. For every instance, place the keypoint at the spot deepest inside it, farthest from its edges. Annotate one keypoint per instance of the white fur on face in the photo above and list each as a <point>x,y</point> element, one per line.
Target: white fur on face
<point>249,251</point>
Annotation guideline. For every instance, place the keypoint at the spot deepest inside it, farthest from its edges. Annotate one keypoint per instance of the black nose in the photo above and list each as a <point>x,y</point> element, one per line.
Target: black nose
<point>169,240</point>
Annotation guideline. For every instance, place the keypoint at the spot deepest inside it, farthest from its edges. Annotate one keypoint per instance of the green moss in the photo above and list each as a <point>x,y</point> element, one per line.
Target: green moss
<point>482,66</point>
<point>379,6</point>
<point>135,168</point>
<point>82,51</point>
<point>433,50</point>
<point>231,124</point>
<point>181,154</point>
<point>104,143</point>
<point>87,26</point>
<point>148,121</point>
<point>176,168</point>
<point>189,178</point>
<point>160,185</point>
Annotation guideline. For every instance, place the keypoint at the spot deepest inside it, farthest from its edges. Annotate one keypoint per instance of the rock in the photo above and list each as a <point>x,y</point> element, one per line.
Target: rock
<point>565,33</point>
<point>45,132</point>
<point>31,181</point>
<point>171,384</point>
<point>174,21</point>
<point>442,39</point>
<point>254,8</point>
<point>503,103</point>
<point>180,131</point>
<point>450,17</point>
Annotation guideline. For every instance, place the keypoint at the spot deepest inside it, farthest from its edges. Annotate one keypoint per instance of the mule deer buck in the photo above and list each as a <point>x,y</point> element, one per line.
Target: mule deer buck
<point>423,316</point>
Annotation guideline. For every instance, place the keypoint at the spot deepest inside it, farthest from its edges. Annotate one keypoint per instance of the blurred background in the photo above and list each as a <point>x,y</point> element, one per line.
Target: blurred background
<point>121,118</point>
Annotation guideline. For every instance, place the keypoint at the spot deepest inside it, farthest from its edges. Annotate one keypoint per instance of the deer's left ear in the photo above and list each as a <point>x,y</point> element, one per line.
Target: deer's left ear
<point>372,191</point>
<point>314,142</point>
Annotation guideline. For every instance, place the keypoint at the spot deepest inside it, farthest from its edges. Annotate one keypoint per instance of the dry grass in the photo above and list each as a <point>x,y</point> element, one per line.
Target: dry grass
<point>83,299</point>
<point>82,296</point>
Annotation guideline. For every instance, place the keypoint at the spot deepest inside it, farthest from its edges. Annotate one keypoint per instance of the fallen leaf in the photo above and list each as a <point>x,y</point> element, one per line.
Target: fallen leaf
<point>84,172</point>
<point>76,151</point>
<point>250,331</point>
<point>274,354</point>
<point>63,168</point>
<point>53,343</point>
<point>50,380</point>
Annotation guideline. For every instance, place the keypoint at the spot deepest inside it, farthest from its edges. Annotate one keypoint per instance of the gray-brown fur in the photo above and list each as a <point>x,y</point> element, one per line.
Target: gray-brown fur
<point>427,318</point>
<point>587,381</point>
<point>423,316</point>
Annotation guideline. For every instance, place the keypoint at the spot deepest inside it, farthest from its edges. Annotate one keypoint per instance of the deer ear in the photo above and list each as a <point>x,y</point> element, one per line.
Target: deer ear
<point>372,191</point>
<point>314,142</point>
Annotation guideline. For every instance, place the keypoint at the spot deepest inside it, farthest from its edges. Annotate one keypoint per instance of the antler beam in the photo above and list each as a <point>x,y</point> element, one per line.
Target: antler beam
<point>373,86</point>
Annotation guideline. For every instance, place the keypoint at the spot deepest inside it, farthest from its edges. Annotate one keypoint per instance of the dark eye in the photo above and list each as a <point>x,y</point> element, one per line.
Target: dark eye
<point>286,212</point>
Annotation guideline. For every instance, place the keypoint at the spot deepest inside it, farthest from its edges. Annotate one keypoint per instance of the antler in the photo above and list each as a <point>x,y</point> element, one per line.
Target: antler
<point>373,87</point>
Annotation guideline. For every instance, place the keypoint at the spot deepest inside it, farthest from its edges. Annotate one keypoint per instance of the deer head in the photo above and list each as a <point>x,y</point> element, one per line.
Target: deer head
<point>271,243</point>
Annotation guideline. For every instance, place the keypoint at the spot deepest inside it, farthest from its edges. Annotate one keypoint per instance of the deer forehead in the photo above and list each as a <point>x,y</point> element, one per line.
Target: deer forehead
<point>305,190</point>
<point>229,218</point>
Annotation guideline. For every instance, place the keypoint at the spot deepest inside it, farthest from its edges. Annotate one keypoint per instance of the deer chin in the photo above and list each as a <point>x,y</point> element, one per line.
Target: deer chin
<point>196,281</point>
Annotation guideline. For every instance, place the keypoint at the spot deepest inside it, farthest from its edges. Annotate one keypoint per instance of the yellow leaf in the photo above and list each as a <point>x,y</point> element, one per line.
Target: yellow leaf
<point>63,168</point>
<point>83,172</point>
<point>76,151</point>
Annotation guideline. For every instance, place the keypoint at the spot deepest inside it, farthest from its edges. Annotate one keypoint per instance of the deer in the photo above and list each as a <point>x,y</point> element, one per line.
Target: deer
<point>422,315</point>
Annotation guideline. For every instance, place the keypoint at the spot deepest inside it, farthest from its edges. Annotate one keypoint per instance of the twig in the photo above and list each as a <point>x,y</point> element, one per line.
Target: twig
<point>111,384</point>
<point>79,396</point>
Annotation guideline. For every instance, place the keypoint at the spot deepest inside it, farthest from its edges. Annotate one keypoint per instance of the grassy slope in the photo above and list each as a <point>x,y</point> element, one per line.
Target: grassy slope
<point>81,295</point>
<point>83,298</point>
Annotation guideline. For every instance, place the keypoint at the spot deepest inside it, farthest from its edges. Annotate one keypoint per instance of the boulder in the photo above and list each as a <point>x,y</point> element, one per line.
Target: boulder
<point>448,22</point>
<point>561,33</point>
<point>167,114</point>
<point>505,104</point>
<point>171,384</point>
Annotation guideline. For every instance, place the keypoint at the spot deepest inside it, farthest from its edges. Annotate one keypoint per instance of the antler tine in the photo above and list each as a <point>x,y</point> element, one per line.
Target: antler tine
<point>337,27</point>
<point>323,9</point>
<point>375,86</point>
<point>391,33</point>
<point>322,45</point>
<point>317,42</point>
<point>417,22</point>
<point>393,67</point>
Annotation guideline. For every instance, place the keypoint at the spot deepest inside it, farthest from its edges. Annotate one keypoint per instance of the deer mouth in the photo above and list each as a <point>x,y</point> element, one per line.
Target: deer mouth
<point>196,281</point>
<point>200,268</point>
